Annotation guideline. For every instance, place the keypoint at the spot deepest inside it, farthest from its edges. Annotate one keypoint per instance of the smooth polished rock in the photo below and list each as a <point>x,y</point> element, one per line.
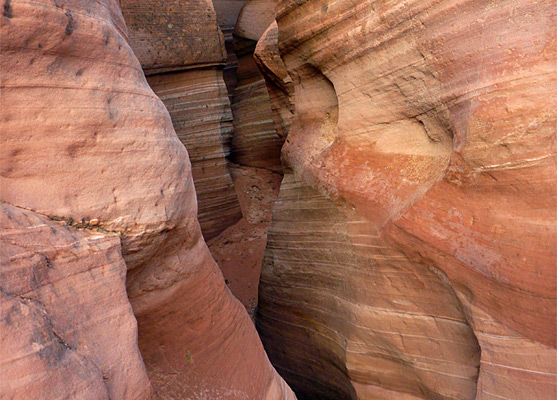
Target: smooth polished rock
<point>432,121</point>
<point>357,318</point>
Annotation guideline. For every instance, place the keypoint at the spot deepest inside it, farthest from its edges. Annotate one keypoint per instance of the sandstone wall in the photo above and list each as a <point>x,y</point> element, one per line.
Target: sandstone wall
<point>256,142</point>
<point>181,49</point>
<point>255,154</point>
<point>85,140</point>
<point>67,326</point>
<point>411,253</point>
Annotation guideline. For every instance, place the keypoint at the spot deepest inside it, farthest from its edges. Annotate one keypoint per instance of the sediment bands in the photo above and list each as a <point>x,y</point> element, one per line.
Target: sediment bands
<point>411,250</point>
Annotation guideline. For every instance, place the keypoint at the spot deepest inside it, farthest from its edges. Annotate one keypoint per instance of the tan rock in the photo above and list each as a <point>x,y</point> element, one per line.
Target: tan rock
<point>256,142</point>
<point>279,83</point>
<point>254,18</point>
<point>357,318</point>
<point>198,104</point>
<point>227,14</point>
<point>186,75</point>
<point>170,35</point>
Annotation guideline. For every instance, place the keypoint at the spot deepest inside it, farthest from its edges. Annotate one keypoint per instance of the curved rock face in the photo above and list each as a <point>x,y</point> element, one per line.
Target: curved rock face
<point>418,226</point>
<point>85,139</point>
<point>198,104</point>
<point>227,14</point>
<point>356,317</point>
<point>255,155</point>
<point>181,49</point>
<point>68,330</point>
<point>279,84</point>
<point>256,142</point>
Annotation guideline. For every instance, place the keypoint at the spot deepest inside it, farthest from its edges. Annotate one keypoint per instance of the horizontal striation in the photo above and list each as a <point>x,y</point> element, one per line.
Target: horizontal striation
<point>256,142</point>
<point>353,314</point>
<point>430,120</point>
<point>200,110</point>
<point>86,141</point>
<point>279,84</point>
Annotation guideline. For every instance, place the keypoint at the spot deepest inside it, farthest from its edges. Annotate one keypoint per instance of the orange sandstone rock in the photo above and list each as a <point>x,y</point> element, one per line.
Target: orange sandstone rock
<point>428,126</point>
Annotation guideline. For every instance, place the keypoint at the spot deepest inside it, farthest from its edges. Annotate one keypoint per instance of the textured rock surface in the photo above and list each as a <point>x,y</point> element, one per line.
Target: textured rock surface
<point>184,38</point>
<point>421,212</point>
<point>227,14</point>
<point>255,147</point>
<point>84,137</point>
<point>254,18</point>
<point>256,142</point>
<point>356,318</point>
<point>169,35</point>
<point>279,83</point>
<point>198,104</point>
<point>67,326</point>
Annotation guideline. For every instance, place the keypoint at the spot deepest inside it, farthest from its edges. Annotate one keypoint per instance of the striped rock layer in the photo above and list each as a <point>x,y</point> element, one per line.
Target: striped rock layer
<point>85,140</point>
<point>256,142</point>
<point>198,104</point>
<point>227,14</point>
<point>255,168</point>
<point>411,253</point>
<point>181,49</point>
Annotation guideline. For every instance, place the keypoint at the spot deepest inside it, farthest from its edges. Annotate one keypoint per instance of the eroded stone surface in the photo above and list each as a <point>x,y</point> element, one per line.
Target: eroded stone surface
<point>430,122</point>
<point>168,35</point>
<point>181,49</point>
<point>239,249</point>
<point>68,330</point>
<point>198,104</point>
<point>84,137</point>
<point>256,142</point>
<point>279,83</point>
<point>356,317</point>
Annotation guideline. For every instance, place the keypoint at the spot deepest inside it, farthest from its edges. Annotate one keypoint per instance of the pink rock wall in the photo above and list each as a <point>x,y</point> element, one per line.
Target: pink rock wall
<point>84,138</point>
<point>67,326</point>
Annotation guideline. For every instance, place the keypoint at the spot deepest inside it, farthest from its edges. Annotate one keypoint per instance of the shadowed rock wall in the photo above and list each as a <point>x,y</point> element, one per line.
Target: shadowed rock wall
<point>181,49</point>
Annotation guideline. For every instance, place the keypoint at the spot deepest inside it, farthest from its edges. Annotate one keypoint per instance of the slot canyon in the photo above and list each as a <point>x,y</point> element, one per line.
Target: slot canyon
<point>278,199</point>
